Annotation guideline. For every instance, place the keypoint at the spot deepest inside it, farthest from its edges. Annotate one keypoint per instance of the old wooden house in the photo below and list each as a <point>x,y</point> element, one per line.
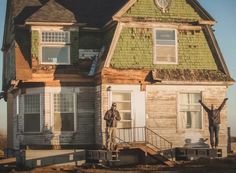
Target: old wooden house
<point>66,61</point>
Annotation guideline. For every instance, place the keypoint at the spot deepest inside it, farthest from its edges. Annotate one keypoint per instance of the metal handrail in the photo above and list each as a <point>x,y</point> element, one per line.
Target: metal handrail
<point>143,134</point>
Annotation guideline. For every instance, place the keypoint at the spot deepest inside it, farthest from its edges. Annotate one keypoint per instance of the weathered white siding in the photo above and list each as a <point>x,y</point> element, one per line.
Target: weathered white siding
<point>162,108</point>
<point>84,103</point>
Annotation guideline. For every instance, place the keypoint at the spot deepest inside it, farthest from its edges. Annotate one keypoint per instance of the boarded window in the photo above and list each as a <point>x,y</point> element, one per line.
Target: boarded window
<point>123,101</point>
<point>63,112</point>
<point>32,113</point>
<point>55,47</point>
<point>190,115</point>
<point>165,46</point>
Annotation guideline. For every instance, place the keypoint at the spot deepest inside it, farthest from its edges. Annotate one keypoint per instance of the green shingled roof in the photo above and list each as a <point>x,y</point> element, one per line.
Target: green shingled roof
<point>135,50</point>
<point>178,10</point>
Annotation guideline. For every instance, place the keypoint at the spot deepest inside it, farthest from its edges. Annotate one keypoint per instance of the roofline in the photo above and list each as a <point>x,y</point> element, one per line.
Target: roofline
<point>54,23</point>
<point>195,3</point>
<point>201,9</point>
<point>217,50</point>
<point>5,24</point>
<point>115,39</point>
<point>124,9</point>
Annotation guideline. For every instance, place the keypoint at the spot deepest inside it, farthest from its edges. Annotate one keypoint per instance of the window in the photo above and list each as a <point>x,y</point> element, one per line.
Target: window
<point>190,114</point>
<point>32,113</point>
<point>165,50</point>
<point>63,112</point>
<point>55,47</point>
<point>123,101</point>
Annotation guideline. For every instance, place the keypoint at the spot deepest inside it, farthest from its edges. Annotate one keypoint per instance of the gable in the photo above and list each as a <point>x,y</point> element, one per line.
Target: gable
<point>179,10</point>
<point>134,50</point>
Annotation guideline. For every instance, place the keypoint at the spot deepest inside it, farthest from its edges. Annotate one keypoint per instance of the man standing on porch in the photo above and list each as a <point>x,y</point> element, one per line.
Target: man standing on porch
<point>111,117</point>
<point>214,121</point>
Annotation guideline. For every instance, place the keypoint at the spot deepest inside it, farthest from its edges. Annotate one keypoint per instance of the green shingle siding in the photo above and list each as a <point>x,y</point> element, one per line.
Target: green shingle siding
<point>178,10</point>
<point>135,50</point>
<point>74,48</point>
<point>35,44</point>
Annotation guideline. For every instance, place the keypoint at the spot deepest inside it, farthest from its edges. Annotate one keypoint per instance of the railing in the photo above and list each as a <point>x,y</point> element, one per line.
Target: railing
<point>143,135</point>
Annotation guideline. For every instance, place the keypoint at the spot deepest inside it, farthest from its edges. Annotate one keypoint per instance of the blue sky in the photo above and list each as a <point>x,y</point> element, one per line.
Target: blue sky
<point>225,30</point>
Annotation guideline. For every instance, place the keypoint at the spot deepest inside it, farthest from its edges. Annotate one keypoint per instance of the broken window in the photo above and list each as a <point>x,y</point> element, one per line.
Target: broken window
<point>32,113</point>
<point>123,101</point>
<point>165,46</point>
<point>63,112</point>
<point>55,47</point>
<point>190,114</point>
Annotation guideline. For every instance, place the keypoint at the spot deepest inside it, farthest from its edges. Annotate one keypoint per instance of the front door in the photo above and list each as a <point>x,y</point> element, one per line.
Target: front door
<point>131,105</point>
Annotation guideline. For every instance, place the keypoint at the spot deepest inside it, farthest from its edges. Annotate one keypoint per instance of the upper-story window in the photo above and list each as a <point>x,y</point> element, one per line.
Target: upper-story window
<point>165,47</point>
<point>55,47</point>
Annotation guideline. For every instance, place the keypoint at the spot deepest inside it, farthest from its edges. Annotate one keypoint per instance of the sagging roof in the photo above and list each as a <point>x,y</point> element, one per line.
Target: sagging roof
<point>190,75</point>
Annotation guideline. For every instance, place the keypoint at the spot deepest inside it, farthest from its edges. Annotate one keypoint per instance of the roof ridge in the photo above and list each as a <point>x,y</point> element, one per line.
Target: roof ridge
<point>52,5</point>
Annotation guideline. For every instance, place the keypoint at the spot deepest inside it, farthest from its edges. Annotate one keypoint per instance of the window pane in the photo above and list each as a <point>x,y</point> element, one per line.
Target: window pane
<point>190,116</point>
<point>121,97</point>
<point>55,37</point>
<point>125,115</point>
<point>32,123</point>
<point>194,98</point>
<point>32,103</point>
<point>63,103</point>
<point>123,101</point>
<point>184,98</point>
<point>55,54</point>
<point>123,106</point>
<point>165,53</point>
<point>64,121</point>
<point>165,35</point>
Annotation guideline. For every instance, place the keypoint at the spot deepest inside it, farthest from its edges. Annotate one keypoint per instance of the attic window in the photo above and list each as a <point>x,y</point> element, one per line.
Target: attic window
<point>55,47</point>
<point>165,46</point>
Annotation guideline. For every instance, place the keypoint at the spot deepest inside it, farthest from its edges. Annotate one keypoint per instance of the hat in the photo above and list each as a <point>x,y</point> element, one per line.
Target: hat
<point>113,104</point>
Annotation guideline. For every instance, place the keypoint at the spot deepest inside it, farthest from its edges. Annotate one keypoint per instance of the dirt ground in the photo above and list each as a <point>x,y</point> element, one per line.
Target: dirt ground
<point>226,165</point>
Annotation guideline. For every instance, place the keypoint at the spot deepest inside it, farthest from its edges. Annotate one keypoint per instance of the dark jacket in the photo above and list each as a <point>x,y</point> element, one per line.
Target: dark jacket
<point>213,115</point>
<point>111,117</point>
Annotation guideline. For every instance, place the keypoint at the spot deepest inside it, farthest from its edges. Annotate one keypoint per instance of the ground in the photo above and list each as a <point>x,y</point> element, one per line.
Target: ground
<point>226,165</point>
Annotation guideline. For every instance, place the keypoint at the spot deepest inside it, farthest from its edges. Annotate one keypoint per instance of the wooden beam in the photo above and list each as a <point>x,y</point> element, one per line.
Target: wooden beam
<point>178,26</point>
<point>113,44</point>
<point>125,8</point>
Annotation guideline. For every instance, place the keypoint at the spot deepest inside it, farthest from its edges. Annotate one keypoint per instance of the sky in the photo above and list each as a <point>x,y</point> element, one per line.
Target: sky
<point>223,11</point>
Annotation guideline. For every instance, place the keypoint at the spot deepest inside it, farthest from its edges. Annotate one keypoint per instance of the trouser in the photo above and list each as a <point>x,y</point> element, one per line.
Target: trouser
<point>110,138</point>
<point>214,133</point>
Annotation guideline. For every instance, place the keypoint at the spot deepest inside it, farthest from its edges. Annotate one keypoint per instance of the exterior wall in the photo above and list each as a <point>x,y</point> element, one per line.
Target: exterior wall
<point>162,111</point>
<point>84,118</point>
<point>10,121</point>
<point>179,10</point>
<point>135,49</point>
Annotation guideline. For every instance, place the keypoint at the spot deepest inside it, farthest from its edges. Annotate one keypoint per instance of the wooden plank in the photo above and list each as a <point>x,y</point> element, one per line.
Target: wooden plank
<point>7,161</point>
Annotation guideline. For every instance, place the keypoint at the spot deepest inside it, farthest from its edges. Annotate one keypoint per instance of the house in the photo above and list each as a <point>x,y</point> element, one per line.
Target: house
<point>66,61</point>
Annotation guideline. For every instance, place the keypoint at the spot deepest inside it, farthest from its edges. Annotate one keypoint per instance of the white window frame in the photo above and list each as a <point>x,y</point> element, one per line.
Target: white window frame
<point>179,110</point>
<point>155,61</point>
<point>54,44</point>
<point>131,104</point>
<point>40,116</point>
<point>74,111</point>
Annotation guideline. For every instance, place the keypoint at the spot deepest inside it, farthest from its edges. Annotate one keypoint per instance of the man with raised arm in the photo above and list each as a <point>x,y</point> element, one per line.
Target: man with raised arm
<point>214,121</point>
